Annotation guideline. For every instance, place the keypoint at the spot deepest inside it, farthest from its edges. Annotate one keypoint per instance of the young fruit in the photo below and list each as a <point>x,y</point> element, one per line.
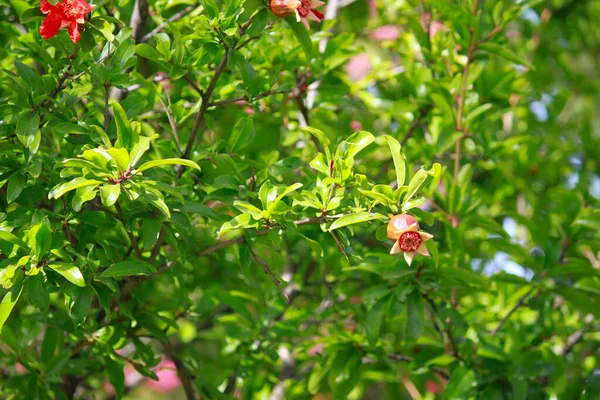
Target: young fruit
<point>404,230</point>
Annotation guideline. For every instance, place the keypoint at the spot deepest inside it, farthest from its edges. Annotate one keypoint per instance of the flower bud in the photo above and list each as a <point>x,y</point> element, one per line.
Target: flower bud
<point>400,223</point>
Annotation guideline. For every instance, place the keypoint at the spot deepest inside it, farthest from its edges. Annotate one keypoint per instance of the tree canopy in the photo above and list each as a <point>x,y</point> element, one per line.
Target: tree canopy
<point>207,200</point>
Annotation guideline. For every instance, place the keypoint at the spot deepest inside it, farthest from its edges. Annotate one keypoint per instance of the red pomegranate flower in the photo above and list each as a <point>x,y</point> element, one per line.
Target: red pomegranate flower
<point>404,229</point>
<point>67,13</point>
<point>304,10</point>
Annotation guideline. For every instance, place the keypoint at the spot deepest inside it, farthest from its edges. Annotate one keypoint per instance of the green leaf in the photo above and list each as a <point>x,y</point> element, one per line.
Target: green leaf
<point>138,150</point>
<point>9,301</point>
<point>81,306</point>
<point>441,102</point>
<point>354,144</point>
<point>399,159</point>
<point>109,193</point>
<point>121,156</point>
<point>37,292</point>
<point>355,218</point>
<point>125,135</point>
<point>16,183</point>
<point>27,127</point>
<point>248,208</point>
<point>375,318</point>
<point>49,344</point>
<point>415,184</point>
<point>128,268</point>
<point>505,53</point>
<point>460,384</point>
<point>302,35</point>
<point>43,239</point>
<point>9,237</point>
<point>259,21</point>
<point>415,315</point>
<point>433,250</point>
<point>62,188</point>
<point>287,191</point>
<point>150,232</point>
<point>167,161</point>
<point>70,271</point>
<point>241,135</point>
<point>476,113</point>
<point>116,376</point>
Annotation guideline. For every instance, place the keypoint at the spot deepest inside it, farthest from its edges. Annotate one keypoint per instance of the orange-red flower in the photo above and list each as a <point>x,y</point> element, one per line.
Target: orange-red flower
<point>404,229</point>
<point>304,10</point>
<point>67,13</point>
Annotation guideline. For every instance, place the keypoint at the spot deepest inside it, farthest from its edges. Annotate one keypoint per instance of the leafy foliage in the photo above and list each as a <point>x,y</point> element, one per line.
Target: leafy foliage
<point>206,185</point>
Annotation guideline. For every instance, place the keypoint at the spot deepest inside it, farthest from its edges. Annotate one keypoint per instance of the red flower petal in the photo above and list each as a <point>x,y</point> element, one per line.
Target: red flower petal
<point>50,26</point>
<point>318,14</point>
<point>74,32</point>
<point>46,7</point>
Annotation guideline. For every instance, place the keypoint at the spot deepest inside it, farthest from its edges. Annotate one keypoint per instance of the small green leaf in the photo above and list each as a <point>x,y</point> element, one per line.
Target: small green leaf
<point>27,127</point>
<point>415,184</point>
<point>150,232</point>
<point>128,268</point>
<point>415,315</point>
<point>9,301</point>
<point>355,218</point>
<point>109,193</point>
<point>121,156</point>
<point>375,318</point>
<point>354,144</point>
<point>476,113</point>
<point>116,376</point>
<point>125,135</point>
<point>37,293</point>
<point>70,271</point>
<point>43,239</point>
<point>287,191</point>
<point>399,159</point>
<point>505,53</point>
<point>49,344</point>
<point>441,102</point>
<point>241,135</point>
<point>16,183</point>
<point>9,237</point>
<point>248,208</point>
<point>62,188</point>
<point>81,306</point>
<point>433,250</point>
<point>302,35</point>
<point>167,161</point>
<point>460,384</point>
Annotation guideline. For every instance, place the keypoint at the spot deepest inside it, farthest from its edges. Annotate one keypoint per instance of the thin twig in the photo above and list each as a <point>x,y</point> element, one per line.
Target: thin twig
<point>182,372</point>
<point>246,98</point>
<point>269,272</point>
<point>519,303</point>
<point>175,17</point>
<point>171,119</point>
<point>133,239</point>
<point>339,245</point>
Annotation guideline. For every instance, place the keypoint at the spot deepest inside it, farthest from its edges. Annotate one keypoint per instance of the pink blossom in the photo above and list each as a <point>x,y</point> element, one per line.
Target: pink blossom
<point>358,67</point>
<point>167,378</point>
<point>356,126</point>
<point>386,32</point>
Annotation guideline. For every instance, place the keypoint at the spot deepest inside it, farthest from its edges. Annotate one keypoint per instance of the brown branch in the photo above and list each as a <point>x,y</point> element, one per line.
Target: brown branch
<point>269,272</point>
<point>246,98</point>
<point>182,373</point>
<point>133,239</point>
<point>402,358</point>
<point>339,245</point>
<point>175,17</point>
<point>519,303</point>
